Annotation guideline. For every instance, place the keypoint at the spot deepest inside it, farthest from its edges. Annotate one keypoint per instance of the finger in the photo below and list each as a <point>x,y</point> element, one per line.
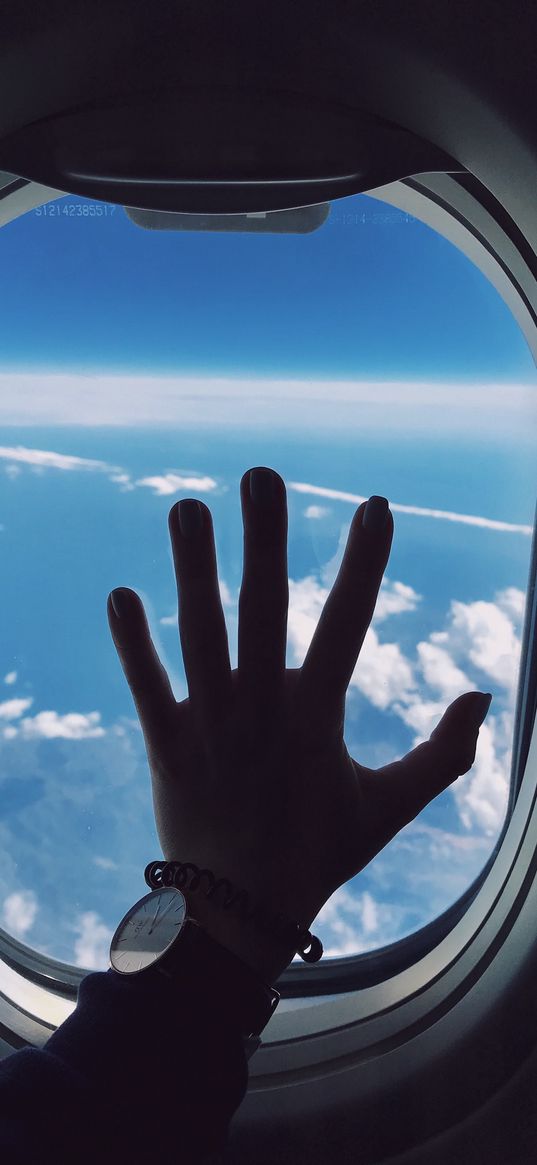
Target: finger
<point>346,616</point>
<point>144,672</point>
<point>202,626</point>
<point>264,596</point>
<point>401,790</point>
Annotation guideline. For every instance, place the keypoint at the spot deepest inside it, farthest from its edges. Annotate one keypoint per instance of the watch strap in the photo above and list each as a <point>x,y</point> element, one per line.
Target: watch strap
<point>225,975</point>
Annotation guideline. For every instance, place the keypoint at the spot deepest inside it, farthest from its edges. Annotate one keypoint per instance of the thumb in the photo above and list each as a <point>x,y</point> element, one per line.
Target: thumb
<point>454,739</point>
<point>451,748</point>
<point>469,709</point>
<point>408,785</point>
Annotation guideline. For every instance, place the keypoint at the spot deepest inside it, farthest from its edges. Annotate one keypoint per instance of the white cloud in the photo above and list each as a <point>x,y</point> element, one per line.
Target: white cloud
<point>440,671</point>
<point>443,843</point>
<point>513,602</point>
<point>306,601</point>
<point>484,635</point>
<point>19,912</point>
<point>316,512</point>
<point>394,598</point>
<point>350,923</point>
<point>481,795</point>
<point>12,471</point>
<point>122,479</point>
<point>71,726</point>
<point>225,594</point>
<point>175,482</point>
<point>382,673</point>
<point>479,636</point>
<point>370,913</point>
<point>420,714</point>
<point>12,709</point>
<point>10,678</point>
<point>9,733</point>
<point>105,863</point>
<point>92,948</point>
<point>47,459</point>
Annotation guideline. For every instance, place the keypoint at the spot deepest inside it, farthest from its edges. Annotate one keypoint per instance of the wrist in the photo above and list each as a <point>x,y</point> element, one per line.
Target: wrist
<point>266,956</point>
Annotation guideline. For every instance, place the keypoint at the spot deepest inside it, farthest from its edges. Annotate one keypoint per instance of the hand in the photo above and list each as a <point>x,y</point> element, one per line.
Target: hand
<point>250,774</point>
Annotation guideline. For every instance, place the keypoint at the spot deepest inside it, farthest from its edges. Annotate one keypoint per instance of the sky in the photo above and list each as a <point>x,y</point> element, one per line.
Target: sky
<point>138,367</point>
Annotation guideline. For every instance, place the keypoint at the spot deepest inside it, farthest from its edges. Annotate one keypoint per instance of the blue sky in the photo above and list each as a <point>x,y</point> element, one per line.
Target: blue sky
<point>141,367</point>
<point>355,298</point>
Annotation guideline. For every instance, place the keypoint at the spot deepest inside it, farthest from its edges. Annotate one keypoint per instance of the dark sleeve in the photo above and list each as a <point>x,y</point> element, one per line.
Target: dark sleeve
<point>139,1073</point>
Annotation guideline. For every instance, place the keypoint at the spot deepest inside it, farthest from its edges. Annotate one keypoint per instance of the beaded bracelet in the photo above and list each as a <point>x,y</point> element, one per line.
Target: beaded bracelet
<point>160,873</point>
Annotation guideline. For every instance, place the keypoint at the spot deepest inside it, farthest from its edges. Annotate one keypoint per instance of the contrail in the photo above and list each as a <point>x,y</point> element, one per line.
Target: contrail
<point>445,515</point>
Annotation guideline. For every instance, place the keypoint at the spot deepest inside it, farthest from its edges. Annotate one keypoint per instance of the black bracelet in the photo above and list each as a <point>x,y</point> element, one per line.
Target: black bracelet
<point>176,874</point>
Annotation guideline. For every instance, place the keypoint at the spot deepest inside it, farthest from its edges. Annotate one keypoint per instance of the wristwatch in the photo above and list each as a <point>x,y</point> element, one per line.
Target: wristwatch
<point>157,936</point>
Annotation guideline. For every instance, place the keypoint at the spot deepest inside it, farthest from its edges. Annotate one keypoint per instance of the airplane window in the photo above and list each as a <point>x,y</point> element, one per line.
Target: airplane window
<point>139,367</point>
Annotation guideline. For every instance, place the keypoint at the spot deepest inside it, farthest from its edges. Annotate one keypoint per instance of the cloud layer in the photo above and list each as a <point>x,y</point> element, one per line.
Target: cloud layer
<point>507,409</point>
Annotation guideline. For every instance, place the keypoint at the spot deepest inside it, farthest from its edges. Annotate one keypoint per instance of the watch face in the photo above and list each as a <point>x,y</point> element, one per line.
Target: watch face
<point>148,930</point>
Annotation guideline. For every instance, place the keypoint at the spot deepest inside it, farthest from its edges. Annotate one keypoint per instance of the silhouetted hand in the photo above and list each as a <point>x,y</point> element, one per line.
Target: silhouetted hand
<point>250,774</point>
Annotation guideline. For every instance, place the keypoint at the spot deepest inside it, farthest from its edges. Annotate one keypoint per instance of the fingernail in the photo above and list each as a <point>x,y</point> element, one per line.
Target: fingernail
<point>481,705</point>
<point>121,603</point>
<point>261,486</point>
<point>375,514</point>
<point>189,518</point>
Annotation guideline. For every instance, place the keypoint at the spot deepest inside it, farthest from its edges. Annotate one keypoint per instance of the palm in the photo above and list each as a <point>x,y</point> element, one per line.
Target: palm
<point>261,810</point>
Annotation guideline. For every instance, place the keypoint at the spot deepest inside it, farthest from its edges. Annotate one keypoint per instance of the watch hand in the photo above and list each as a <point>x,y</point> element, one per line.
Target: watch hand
<point>155,918</point>
<point>170,904</point>
<point>162,916</point>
